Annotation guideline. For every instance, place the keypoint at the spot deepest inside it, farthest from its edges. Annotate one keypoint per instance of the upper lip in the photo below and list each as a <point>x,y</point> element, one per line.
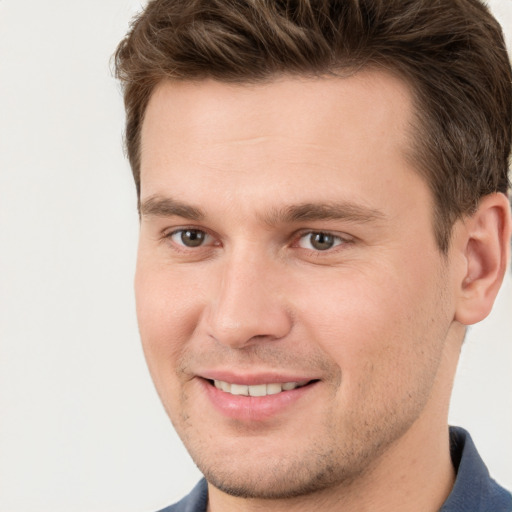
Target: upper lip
<point>253,378</point>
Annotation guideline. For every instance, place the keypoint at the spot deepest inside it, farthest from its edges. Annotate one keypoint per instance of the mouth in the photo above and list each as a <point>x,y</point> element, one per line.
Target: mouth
<point>257,397</point>
<point>257,390</point>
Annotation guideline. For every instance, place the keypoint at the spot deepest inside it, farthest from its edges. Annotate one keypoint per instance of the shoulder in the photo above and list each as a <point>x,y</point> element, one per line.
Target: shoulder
<point>474,488</point>
<point>196,501</point>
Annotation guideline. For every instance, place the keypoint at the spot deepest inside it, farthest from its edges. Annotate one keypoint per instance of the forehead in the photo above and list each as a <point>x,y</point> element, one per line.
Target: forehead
<point>343,134</point>
<point>293,106</point>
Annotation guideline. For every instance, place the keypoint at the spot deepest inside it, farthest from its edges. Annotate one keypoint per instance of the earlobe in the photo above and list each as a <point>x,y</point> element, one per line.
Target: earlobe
<point>485,247</point>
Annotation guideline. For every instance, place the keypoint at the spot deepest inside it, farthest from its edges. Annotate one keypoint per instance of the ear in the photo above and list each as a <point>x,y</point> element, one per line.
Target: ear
<point>485,246</point>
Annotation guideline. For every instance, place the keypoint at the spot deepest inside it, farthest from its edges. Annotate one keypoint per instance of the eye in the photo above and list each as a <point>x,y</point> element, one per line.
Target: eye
<point>190,237</point>
<point>319,241</point>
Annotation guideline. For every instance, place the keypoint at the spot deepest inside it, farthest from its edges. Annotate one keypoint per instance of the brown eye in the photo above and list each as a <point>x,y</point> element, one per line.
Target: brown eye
<point>190,237</point>
<point>319,241</point>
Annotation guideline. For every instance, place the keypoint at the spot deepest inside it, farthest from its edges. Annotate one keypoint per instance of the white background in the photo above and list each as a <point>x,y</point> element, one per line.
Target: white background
<point>81,428</point>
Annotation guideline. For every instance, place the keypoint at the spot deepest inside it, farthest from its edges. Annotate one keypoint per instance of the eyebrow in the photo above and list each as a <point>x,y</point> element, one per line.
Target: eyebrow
<point>168,207</point>
<point>309,212</point>
<point>303,212</point>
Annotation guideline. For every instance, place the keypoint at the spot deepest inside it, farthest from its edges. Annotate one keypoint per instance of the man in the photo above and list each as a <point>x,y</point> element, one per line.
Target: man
<point>322,192</point>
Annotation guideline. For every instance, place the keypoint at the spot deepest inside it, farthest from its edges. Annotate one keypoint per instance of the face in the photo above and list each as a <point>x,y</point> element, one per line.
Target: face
<point>293,306</point>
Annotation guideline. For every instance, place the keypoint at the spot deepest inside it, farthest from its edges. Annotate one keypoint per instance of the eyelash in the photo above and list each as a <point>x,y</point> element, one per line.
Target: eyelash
<point>182,247</point>
<point>338,240</point>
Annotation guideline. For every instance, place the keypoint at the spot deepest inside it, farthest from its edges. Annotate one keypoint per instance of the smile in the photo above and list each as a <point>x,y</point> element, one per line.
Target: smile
<point>256,398</point>
<point>258,389</point>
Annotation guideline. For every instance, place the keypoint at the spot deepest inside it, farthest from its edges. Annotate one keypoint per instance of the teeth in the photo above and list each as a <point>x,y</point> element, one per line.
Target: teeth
<point>273,389</point>
<point>239,389</point>
<point>258,389</point>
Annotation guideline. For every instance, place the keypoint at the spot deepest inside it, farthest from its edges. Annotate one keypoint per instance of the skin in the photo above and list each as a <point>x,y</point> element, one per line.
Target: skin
<point>376,320</point>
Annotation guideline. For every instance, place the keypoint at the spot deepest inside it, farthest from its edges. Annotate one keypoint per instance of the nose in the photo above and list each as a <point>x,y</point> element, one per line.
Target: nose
<point>248,305</point>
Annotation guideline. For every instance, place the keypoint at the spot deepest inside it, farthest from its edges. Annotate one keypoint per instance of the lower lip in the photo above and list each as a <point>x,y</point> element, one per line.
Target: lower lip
<point>254,408</point>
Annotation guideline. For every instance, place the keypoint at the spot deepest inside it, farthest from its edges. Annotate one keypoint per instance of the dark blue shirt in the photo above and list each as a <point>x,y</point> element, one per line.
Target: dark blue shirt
<point>474,489</point>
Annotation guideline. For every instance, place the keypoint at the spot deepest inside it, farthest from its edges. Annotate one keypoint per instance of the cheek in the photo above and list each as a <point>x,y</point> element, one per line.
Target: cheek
<point>167,311</point>
<point>377,328</point>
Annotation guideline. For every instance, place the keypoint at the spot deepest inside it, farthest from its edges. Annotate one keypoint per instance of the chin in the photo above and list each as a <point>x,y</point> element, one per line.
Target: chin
<point>273,483</point>
<point>275,476</point>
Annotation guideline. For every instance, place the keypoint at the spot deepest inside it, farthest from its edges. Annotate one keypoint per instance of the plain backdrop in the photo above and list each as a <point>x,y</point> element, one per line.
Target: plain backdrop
<point>81,428</point>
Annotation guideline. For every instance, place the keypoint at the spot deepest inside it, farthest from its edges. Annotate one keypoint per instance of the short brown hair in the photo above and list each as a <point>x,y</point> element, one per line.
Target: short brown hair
<point>451,52</point>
